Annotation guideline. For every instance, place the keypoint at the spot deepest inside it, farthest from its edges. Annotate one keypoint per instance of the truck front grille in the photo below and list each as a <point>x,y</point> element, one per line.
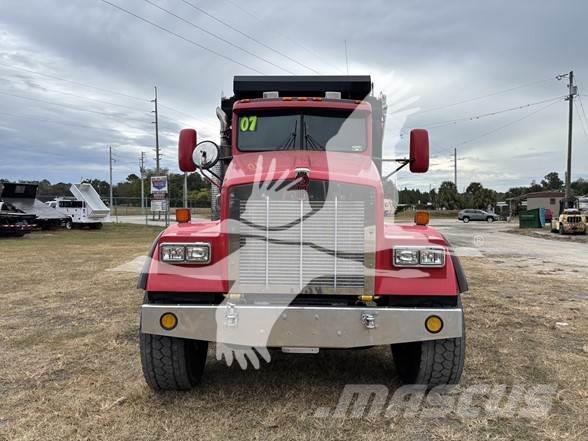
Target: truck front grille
<point>301,246</point>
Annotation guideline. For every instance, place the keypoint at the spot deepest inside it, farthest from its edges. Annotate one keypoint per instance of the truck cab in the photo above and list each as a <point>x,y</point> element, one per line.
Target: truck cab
<point>297,256</point>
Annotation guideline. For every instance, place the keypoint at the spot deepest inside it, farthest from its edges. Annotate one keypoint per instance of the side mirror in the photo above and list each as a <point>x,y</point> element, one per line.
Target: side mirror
<point>206,154</point>
<point>186,146</point>
<point>419,151</point>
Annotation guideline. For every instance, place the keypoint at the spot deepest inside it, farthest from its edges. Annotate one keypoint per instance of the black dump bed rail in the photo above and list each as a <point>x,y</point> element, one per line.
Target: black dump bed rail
<point>354,87</point>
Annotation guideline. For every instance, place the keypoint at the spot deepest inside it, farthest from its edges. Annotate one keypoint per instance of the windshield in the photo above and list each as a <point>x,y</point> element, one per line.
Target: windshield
<point>337,131</point>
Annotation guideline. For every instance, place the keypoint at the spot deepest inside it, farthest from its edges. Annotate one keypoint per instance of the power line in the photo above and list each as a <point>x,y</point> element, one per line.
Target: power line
<point>45,89</point>
<point>54,77</point>
<point>489,114</point>
<point>53,121</point>
<point>583,117</point>
<point>497,128</point>
<point>164,29</point>
<point>249,36</point>
<point>254,15</point>
<point>485,96</point>
<point>99,89</point>
<point>67,106</point>
<point>212,34</point>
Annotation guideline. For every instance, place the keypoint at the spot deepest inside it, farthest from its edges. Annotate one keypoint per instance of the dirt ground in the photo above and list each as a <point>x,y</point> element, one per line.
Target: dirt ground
<point>69,365</point>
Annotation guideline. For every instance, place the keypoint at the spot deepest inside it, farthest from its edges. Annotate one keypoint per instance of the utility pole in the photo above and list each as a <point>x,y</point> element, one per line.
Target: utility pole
<point>455,167</point>
<point>142,170</point>
<point>185,190</point>
<point>573,91</point>
<point>156,122</point>
<point>110,169</point>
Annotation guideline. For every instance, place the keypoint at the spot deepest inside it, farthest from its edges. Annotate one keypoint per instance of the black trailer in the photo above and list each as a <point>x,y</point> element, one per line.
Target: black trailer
<point>14,222</point>
<point>24,198</point>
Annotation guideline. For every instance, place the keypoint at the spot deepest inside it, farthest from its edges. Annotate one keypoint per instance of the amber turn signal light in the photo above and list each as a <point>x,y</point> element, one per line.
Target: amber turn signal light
<point>421,218</point>
<point>183,215</point>
<point>434,324</point>
<point>168,321</point>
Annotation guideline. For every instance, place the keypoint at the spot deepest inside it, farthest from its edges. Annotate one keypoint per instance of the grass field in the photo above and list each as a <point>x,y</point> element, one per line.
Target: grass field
<point>70,364</point>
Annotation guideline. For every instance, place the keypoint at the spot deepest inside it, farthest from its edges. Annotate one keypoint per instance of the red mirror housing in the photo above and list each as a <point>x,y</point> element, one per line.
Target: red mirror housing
<point>186,146</point>
<point>419,151</point>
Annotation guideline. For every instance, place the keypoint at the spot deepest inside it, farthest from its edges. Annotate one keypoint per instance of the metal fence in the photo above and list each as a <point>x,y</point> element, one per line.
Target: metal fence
<point>130,210</point>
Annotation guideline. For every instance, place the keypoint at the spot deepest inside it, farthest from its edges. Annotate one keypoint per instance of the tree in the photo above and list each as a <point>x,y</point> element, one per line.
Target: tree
<point>552,182</point>
<point>132,177</point>
<point>534,187</point>
<point>479,197</point>
<point>448,196</point>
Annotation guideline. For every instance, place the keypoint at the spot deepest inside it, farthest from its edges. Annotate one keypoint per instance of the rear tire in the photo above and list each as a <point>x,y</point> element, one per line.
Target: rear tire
<point>96,226</point>
<point>466,220</point>
<point>561,229</point>
<point>432,363</point>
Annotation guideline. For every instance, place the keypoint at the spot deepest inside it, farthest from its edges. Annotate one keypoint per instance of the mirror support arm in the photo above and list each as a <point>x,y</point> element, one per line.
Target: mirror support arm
<point>211,181</point>
<point>403,163</point>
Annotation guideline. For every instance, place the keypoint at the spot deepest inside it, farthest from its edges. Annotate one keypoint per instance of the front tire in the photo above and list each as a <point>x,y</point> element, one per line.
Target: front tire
<point>432,363</point>
<point>68,224</point>
<point>561,229</point>
<point>171,363</point>
<point>490,219</point>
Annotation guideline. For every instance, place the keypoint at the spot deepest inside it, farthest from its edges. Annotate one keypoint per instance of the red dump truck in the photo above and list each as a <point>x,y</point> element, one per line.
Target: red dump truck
<point>297,256</point>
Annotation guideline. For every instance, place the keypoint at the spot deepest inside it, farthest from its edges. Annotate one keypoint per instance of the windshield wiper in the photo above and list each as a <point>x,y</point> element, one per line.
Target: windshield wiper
<point>291,141</point>
<point>310,141</point>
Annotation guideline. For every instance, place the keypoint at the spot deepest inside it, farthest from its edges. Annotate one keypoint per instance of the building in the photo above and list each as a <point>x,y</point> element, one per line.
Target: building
<point>544,199</point>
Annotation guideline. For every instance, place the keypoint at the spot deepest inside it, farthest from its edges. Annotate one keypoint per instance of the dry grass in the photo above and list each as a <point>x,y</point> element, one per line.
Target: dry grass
<point>70,365</point>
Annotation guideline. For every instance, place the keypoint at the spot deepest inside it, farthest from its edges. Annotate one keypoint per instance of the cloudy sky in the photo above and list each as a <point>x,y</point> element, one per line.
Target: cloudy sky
<point>78,75</point>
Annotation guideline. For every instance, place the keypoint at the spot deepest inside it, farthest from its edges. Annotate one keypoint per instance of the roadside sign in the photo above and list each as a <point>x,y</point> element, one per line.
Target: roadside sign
<point>159,195</point>
<point>158,205</point>
<point>159,184</point>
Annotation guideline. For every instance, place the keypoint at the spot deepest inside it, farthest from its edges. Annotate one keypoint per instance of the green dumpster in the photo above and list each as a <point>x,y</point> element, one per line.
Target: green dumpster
<point>530,219</point>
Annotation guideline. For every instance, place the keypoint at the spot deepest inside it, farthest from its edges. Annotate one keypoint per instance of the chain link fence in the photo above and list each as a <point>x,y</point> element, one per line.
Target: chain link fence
<point>131,210</point>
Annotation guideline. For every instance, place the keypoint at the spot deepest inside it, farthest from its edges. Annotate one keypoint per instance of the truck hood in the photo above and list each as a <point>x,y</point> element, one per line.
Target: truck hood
<point>270,166</point>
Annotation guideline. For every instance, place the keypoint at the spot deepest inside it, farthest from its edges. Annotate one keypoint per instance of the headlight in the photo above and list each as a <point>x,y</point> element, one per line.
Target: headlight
<point>406,257</point>
<point>173,253</point>
<point>419,256</point>
<point>432,257</point>
<point>198,253</point>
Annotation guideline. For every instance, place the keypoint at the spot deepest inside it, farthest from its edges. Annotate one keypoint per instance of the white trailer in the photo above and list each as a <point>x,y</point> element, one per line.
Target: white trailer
<point>85,208</point>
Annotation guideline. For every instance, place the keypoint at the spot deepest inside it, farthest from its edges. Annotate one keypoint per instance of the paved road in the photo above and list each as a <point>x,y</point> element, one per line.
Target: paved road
<point>492,241</point>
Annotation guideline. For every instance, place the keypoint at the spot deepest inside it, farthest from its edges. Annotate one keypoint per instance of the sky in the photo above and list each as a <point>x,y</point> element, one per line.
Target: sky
<point>78,76</point>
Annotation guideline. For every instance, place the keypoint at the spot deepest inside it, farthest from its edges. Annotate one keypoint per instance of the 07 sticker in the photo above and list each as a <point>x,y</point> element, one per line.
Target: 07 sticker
<point>248,123</point>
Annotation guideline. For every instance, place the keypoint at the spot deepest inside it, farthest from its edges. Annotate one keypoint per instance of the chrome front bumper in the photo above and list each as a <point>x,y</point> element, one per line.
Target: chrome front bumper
<point>301,326</point>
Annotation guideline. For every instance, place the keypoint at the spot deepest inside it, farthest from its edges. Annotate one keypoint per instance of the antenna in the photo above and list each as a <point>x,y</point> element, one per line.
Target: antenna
<point>346,57</point>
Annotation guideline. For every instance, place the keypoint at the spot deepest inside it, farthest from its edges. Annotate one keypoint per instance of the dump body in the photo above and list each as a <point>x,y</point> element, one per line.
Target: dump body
<point>23,197</point>
<point>85,209</point>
